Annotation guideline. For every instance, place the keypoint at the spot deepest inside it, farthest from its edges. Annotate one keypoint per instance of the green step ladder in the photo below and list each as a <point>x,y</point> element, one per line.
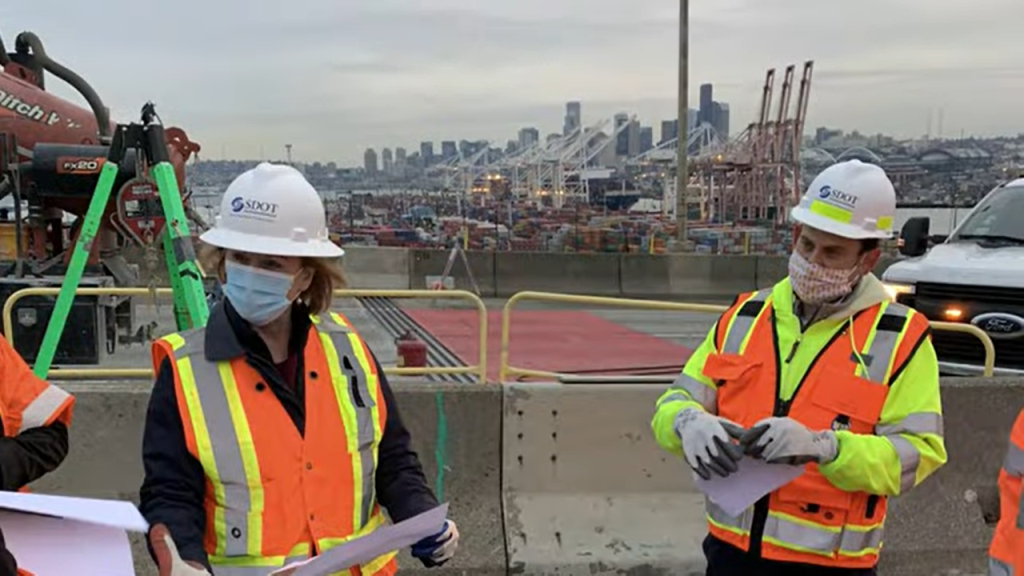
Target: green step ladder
<point>191,309</point>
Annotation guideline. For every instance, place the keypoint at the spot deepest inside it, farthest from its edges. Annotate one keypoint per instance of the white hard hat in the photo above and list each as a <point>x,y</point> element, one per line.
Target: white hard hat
<point>849,199</point>
<point>272,209</point>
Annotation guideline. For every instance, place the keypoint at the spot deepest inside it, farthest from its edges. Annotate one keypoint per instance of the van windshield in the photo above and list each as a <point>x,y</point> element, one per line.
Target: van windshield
<point>998,218</point>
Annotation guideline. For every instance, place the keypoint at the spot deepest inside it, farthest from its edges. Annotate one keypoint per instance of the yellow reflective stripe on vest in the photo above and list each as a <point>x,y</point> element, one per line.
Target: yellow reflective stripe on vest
<point>799,535</point>
<point>42,407</point>
<point>376,521</point>
<point>742,323</point>
<point>259,566</point>
<point>357,400</point>
<point>231,462</point>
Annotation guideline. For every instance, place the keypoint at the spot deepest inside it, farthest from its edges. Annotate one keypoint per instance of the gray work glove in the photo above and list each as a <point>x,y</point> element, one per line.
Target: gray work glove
<point>786,441</point>
<point>707,442</point>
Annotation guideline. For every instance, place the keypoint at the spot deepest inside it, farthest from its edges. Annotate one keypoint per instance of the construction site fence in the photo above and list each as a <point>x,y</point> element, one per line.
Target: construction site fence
<point>58,373</point>
<point>507,372</point>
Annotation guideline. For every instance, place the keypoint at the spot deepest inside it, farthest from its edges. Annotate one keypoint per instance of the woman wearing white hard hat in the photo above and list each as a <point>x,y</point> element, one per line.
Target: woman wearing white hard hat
<point>272,434</point>
<point>820,371</point>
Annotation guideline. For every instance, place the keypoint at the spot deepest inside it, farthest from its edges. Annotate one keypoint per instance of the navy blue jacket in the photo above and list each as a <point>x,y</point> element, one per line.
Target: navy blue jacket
<point>174,487</point>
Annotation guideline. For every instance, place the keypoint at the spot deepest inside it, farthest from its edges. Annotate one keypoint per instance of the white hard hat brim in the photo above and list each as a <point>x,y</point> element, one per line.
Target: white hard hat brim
<point>819,222</point>
<point>259,244</point>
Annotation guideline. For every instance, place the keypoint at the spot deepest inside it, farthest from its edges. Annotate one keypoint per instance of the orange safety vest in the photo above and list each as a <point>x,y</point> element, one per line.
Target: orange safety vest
<point>809,520</point>
<point>27,401</point>
<point>1006,554</point>
<point>274,496</point>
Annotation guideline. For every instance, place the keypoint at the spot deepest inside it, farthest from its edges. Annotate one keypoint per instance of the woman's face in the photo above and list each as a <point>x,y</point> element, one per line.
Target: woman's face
<point>290,265</point>
<point>284,264</point>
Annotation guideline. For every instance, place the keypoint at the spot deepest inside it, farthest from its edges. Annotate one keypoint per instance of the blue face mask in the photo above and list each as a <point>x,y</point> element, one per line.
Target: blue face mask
<point>259,296</point>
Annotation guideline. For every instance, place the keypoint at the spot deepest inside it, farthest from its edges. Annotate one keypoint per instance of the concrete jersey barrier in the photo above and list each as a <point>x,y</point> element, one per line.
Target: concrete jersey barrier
<point>566,479</point>
<point>501,274</point>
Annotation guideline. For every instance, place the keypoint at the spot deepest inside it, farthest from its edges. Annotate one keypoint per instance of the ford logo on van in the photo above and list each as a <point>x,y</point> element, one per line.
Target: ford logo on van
<point>1000,325</point>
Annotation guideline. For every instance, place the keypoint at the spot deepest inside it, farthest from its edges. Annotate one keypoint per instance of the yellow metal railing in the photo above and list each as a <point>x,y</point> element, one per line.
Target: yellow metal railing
<point>505,370</point>
<point>479,369</point>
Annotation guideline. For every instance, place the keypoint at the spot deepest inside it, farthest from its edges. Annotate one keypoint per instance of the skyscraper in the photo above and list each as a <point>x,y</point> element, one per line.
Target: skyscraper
<point>573,118</point>
<point>669,130</point>
<point>448,150</point>
<point>370,161</point>
<point>622,138</point>
<point>722,120</point>
<point>633,131</point>
<point>387,161</point>
<point>400,162</point>
<point>427,153</point>
<point>646,138</point>
<point>528,137</point>
<point>706,113</point>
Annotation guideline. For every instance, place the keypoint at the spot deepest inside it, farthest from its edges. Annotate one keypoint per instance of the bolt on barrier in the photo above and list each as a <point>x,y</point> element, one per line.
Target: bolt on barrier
<point>505,370</point>
<point>479,369</point>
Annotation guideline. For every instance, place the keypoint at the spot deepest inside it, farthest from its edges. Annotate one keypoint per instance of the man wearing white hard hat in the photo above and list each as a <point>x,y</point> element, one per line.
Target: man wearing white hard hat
<point>272,434</point>
<point>821,371</point>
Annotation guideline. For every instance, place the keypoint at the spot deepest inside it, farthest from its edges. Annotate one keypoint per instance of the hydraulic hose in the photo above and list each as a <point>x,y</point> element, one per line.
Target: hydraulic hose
<point>29,41</point>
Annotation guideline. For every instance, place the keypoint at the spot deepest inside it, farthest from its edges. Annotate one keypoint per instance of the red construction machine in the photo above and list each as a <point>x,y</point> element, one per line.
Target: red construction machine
<point>51,153</point>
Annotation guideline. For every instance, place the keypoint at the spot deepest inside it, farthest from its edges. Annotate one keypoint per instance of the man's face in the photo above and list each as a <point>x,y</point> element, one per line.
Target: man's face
<point>831,251</point>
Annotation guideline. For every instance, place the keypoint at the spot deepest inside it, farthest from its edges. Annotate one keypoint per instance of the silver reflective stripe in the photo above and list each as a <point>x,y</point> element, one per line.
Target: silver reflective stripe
<point>801,536</point>
<point>691,389</point>
<point>225,445</point>
<point>363,405</point>
<point>884,344</point>
<point>42,408</point>
<point>741,325</point>
<point>742,523</point>
<point>916,423</point>
<point>820,539</point>
<point>1014,463</point>
<point>999,568</point>
<point>1020,509</point>
<point>909,458</point>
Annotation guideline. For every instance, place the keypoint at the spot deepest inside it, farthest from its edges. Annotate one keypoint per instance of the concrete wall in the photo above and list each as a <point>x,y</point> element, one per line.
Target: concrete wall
<point>685,276</point>
<point>379,268</point>
<point>566,479</point>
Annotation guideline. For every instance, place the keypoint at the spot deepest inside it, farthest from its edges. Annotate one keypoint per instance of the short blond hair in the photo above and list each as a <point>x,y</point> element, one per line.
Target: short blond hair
<point>328,276</point>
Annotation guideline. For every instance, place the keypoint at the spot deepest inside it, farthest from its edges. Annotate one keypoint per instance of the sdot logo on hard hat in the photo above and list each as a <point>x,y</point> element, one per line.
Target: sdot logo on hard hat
<point>837,196</point>
<point>243,206</point>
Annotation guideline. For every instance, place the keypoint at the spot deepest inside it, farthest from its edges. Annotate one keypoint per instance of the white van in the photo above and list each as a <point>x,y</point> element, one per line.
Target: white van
<point>974,275</point>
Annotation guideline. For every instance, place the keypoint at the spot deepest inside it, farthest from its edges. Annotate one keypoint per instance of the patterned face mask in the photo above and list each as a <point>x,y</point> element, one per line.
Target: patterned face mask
<point>815,284</point>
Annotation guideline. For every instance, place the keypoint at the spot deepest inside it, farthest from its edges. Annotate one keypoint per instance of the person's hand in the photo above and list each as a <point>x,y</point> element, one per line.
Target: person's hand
<point>168,561</point>
<point>786,441</point>
<point>439,548</point>
<point>707,442</point>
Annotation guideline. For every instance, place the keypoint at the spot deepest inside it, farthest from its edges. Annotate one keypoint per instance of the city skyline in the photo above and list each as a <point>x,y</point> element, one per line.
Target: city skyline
<point>337,78</point>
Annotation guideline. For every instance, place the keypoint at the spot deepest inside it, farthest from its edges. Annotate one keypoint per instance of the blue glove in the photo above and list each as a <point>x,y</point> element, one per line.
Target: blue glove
<point>439,548</point>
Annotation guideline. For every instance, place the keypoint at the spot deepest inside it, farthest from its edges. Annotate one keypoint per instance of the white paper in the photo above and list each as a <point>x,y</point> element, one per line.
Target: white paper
<point>112,513</point>
<point>48,546</point>
<point>752,481</point>
<point>376,543</point>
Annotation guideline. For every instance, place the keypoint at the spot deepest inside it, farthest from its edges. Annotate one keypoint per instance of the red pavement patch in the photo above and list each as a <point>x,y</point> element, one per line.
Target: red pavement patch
<point>554,341</point>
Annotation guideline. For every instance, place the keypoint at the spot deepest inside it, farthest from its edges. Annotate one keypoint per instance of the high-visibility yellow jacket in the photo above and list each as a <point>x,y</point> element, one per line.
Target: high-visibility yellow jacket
<point>886,458</point>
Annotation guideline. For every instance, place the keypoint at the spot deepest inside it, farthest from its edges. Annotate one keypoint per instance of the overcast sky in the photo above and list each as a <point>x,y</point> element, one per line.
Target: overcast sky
<point>334,77</point>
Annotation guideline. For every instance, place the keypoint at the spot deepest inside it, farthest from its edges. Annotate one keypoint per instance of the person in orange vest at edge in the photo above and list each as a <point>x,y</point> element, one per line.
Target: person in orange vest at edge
<point>1006,554</point>
<point>36,416</point>
<point>272,434</point>
<point>821,370</point>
